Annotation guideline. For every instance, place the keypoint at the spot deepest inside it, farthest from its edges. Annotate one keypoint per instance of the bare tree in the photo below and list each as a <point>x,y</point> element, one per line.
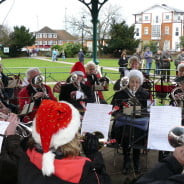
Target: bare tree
<point>4,35</point>
<point>107,15</point>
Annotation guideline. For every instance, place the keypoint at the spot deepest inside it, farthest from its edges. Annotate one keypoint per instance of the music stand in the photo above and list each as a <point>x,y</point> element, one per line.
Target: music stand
<point>133,129</point>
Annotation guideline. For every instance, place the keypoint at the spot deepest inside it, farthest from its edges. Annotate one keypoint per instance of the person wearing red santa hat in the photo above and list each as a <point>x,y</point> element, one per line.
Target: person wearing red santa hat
<point>77,92</point>
<point>54,154</point>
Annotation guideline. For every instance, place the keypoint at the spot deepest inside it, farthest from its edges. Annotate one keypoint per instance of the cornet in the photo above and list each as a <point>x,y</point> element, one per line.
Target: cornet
<point>176,136</point>
<point>38,80</point>
<point>23,129</point>
<point>124,82</point>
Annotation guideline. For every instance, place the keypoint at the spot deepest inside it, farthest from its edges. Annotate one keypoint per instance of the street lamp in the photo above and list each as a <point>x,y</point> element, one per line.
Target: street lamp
<point>1,1</point>
<point>83,17</point>
<point>94,7</point>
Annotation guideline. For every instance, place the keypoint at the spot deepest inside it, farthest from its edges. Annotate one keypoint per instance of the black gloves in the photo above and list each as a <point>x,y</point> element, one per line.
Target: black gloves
<point>90,144</point>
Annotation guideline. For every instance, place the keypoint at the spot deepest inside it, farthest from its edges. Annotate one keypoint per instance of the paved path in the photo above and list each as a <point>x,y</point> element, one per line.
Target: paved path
<point>69,63</point>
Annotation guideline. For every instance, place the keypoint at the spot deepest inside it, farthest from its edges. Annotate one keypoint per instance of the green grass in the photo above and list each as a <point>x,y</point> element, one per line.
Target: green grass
<point>58,71</point>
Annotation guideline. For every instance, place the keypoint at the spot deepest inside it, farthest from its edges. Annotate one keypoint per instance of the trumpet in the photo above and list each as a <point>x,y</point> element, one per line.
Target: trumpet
<point>176,136</point>
<point>100,138</point>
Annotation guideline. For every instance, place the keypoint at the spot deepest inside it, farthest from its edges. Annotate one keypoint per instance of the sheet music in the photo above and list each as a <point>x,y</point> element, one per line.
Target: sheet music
<point>3,127</point>
<point>27,108</point>
<point>97,118</point>
<point>162,120</point>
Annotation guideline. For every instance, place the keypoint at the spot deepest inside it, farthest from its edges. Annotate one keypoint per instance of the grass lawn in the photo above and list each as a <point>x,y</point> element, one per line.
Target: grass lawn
<point>58,71</point>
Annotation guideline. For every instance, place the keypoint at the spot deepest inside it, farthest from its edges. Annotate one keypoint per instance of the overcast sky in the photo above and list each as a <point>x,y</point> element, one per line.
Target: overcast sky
<point>35,14</point>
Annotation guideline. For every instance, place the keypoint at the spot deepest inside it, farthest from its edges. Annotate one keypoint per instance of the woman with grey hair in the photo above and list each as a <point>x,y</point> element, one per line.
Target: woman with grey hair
<point>131,95</point>
<point>33,93</point>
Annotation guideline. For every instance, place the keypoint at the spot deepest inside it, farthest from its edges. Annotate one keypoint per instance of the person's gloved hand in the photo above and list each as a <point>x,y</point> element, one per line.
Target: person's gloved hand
<point>90,144</point>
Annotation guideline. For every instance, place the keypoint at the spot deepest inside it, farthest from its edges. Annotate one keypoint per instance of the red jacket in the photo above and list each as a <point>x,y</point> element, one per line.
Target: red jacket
<point>25,97</point>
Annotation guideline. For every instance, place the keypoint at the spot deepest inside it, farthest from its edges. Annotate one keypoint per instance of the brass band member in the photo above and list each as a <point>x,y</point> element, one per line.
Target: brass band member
<point>53,156</point>
<point>77,92</point>
<point>93,77</point>
<point>33,93</point>
<point>134,64</point>
<point>132,95</point>
<point>5,92</point>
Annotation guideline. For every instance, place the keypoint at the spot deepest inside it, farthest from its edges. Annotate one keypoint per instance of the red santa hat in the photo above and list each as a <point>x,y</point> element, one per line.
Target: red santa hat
<point>78,68</point>
<point>56,124</point>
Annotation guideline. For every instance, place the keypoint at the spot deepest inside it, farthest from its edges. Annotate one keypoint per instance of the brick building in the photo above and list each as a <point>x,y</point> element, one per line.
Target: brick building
<point>47,37</point>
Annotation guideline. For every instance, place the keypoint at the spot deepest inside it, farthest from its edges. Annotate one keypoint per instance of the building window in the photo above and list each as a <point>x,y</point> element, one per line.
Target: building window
<point>156,20</point>
<point>54,35</point>
<point>156,30</point>
<point>44,42</point>
<point>166,30</point>
<point>146,17</point>
<point>179,18</point>
<point>176,46</point>
<point>146,30</point>
<point>49,35</point>
<point>38,35</point>
<point>177,31</point>
<point>137,31</point>
<point>54,42</point>
<point>60,42</point>
<point>40,43</point>
<point>50,42</point>
<point>44,35</point>
<point>167,17</point>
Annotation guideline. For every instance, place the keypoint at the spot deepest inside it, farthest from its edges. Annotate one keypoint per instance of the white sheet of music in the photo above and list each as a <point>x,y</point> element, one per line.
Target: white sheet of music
<point>3,127</point>
<point>97,119</point>
<point>162,120</point>
<point>27,108</point>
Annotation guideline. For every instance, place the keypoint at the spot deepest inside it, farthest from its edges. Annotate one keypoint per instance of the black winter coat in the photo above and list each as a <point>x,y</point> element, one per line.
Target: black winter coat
<point>68,88</point>
<point>28,173</point>
<point>169,171</point>
<point>122,96</point>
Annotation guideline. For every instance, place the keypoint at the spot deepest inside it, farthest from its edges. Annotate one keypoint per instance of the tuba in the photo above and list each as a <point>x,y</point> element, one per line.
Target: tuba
<point>176,136</point>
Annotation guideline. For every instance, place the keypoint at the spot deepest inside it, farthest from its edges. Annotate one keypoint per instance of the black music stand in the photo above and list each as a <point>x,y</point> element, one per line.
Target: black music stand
<point>134,128</point>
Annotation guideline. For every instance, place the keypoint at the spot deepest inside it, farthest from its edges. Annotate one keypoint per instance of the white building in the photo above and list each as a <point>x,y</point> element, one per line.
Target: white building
<point>162,24</point>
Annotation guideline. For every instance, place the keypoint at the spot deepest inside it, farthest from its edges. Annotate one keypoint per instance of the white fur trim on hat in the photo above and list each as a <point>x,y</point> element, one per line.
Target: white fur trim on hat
<point>78,73</point>
<point>136,73</point>
<point>48,163</point>
<point>63,136</point>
